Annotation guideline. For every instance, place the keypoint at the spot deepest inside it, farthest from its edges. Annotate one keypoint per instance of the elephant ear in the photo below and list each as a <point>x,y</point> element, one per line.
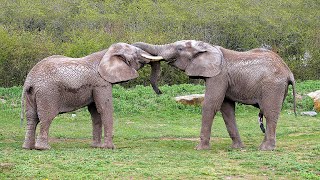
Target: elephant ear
<point>207,63</point>
<point>113,68</point>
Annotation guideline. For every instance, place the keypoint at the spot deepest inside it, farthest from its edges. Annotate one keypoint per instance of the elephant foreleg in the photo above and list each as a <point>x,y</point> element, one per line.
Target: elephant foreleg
<point>103,100</point>
<point>96,125</point>
<point>108,127</point>
<point>208,114</point>
<point>213,100</point>
<point>228,114</point>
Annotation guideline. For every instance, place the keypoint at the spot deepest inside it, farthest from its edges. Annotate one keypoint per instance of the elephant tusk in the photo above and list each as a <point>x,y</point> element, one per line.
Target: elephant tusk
<point>152,58</point>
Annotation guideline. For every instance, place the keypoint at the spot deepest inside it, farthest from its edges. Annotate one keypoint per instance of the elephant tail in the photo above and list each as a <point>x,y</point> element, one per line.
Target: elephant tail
<point>293,84</point>
<point>22,113</point>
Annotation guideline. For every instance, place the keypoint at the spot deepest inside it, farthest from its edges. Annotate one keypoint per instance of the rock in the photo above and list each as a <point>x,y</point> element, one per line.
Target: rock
<point>309,113</point>
<point>193,99</point>
<point>316,99</point>
<point>317,105</point>
<point>315,94</point>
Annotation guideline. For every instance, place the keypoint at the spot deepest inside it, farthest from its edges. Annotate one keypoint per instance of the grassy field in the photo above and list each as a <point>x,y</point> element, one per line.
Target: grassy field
<point>155,139</point>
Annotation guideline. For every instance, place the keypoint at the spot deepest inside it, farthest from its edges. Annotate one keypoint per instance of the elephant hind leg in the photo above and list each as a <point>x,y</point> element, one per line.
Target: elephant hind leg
<point>228,114</point>
<point>271,107</point>
<point>96,126</point>
<point>47,110</point>
<point>32,122</point>
<point>45,122</point>
<point>269,141</point>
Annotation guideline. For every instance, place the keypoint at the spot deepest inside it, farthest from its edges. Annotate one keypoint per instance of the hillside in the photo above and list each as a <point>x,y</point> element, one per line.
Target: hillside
<point>32,30</point>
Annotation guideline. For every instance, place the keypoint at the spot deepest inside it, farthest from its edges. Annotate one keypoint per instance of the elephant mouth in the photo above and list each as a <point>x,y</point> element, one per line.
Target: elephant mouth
<point>141,64</point>
<point>171,61</point>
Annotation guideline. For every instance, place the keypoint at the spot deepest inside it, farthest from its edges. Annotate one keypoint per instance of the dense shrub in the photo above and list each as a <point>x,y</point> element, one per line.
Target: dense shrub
<point>19,52</point>
<point>32,30</point>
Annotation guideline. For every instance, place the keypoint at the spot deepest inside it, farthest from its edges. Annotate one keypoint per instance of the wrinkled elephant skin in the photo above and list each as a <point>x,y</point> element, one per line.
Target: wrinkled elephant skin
<point>59,84</point>
<point>258,77</point>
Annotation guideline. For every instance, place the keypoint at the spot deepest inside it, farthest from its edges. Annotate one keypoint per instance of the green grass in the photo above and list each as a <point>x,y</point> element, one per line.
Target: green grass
<point>155,139</point>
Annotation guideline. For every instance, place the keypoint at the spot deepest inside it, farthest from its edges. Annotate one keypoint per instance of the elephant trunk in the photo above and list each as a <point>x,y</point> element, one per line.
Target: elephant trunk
<point>166,51</point>
<point>158,50</point>
<point>22,106</point>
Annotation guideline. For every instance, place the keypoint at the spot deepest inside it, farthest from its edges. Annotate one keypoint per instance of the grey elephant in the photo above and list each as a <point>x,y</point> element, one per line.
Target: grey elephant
<point>59,84</point>
<point>258,77</point>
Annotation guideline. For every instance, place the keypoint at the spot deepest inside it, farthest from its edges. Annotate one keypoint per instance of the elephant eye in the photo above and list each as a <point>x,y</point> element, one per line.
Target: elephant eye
<point>179,48</point>
<point>198,54</point>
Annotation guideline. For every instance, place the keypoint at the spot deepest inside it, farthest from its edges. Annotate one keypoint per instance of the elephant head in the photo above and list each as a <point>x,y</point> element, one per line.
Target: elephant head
<point>196,58</point>
<point>121,62</point>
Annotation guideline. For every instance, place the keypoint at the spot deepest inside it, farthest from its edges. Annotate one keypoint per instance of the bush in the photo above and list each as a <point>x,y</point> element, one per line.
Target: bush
<point>32,30</point>
<point>304,102</point>
<point>19,53</point>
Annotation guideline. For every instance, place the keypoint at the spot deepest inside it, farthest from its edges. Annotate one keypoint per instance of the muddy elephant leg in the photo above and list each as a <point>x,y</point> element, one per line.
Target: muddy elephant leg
<point>32,122</point>
<point>271,105</point>
<point>96,125</point>
<point>228,114</point>
<point>213,100</point>
<point>103,101</point>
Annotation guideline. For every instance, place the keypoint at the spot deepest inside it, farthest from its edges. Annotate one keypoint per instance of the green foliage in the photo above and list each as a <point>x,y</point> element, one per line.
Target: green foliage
<point>32,30</point>
<point>19,53</point>
<point>149,101</point>
<point>84,42</point>
<point>155,139</point>
<point>304,102</point>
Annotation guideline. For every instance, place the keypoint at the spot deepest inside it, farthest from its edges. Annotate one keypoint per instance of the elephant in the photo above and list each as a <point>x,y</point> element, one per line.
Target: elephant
<point>257,77</point>
<point>59,84</point>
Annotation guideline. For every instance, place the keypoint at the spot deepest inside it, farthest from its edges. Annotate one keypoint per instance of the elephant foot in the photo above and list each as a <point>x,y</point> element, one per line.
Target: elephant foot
<point>202,146</point>
<point>40,145</point>
<point>108,146</point>
<point>237,145</point>
<point>96,145</point>
<point>267,146</point>
<point>28,145</point>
